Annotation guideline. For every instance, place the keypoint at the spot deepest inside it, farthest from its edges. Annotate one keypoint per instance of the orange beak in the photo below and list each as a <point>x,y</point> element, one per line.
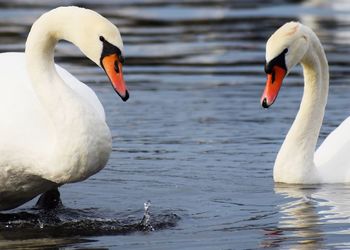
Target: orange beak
<point>273,85</point>
<point>113,68</point>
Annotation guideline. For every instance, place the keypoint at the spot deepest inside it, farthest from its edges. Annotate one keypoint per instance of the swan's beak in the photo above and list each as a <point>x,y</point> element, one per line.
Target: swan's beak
<point>113,67</point>
<point>273,85</point>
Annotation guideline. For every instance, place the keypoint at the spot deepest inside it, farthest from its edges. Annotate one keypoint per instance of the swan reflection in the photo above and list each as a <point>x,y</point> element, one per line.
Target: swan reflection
<point>311,216</point>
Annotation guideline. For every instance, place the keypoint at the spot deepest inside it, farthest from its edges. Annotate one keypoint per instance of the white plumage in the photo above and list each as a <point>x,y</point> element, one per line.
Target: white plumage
<point>52,127</point>
<point>297,162</point>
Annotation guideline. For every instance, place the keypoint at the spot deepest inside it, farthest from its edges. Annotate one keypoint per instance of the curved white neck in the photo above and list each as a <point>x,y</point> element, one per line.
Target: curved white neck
<point>40,48</point>
<point>295,158</point>
<point>81,138</point>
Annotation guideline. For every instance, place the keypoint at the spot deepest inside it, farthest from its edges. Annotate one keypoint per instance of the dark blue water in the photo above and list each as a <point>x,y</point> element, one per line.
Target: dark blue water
<point>193,138</point>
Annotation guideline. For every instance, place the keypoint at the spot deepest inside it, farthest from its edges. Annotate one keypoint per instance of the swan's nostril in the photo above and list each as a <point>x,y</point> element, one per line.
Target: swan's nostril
<point>264,103</point>
<point>116,67</point>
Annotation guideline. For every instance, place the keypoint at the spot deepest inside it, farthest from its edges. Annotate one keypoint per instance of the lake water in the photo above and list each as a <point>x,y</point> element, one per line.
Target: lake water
<point>193,138</point>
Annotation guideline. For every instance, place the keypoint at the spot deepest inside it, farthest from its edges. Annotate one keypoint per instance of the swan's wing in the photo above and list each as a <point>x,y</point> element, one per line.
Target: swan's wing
<point>82,90</point>
<point>23,119</point>
<point>335,149</point>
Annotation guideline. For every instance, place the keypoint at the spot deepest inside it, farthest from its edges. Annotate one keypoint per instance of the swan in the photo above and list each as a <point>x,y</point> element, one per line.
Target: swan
<point>53,129</point>
<point>297,162</point>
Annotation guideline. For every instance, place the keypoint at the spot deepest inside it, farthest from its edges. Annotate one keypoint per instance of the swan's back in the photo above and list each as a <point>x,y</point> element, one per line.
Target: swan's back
<point>332,158</point>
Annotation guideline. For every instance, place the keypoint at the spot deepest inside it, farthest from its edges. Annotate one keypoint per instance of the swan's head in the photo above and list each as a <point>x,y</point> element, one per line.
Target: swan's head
<point>98,39</point>
<point>284,49</point>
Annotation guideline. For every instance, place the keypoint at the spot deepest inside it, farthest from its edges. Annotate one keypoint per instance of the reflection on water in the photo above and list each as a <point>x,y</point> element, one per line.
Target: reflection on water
<point>300,222</point>
<point>193,138</point>
<point>306,211</point>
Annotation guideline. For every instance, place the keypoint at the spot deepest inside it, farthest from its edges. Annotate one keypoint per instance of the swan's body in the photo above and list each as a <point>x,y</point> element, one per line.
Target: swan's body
<point>297,162</point>
<point>53,128</point>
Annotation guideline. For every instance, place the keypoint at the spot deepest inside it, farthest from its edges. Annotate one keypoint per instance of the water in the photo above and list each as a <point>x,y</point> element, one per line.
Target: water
<point>193,138</point>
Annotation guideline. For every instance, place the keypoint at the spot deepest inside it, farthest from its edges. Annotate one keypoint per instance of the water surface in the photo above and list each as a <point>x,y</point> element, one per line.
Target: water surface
<point>193,138</point>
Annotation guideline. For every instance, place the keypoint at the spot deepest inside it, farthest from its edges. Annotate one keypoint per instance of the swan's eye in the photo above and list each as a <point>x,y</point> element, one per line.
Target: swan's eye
<point>102,39</point>
<point>285,51</point>
<point>268,68</point>
<point>121,59</point>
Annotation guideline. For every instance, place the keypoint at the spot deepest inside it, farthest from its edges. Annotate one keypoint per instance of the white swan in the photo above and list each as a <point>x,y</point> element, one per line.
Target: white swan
<point>297,162</point>
<point>52,127</point>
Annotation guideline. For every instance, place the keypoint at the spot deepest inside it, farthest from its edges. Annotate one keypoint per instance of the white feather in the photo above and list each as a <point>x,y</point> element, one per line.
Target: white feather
<point>52,128</point>
<point>297,161</point>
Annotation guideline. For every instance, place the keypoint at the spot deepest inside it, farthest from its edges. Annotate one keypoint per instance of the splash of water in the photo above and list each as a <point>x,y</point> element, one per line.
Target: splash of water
<point>145,222</point>
<point>65,222</point>
<point>41,224</point>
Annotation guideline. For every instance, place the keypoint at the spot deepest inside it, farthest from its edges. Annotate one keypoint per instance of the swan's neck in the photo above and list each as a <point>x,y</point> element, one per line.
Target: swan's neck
<point>295,159</point>
<point>40,47</point>
<point>82,139</point>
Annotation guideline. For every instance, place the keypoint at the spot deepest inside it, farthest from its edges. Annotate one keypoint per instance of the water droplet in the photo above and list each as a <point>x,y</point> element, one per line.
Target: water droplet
<point>146,217</point>
<point>41,224</point>
<point>146,205</point>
